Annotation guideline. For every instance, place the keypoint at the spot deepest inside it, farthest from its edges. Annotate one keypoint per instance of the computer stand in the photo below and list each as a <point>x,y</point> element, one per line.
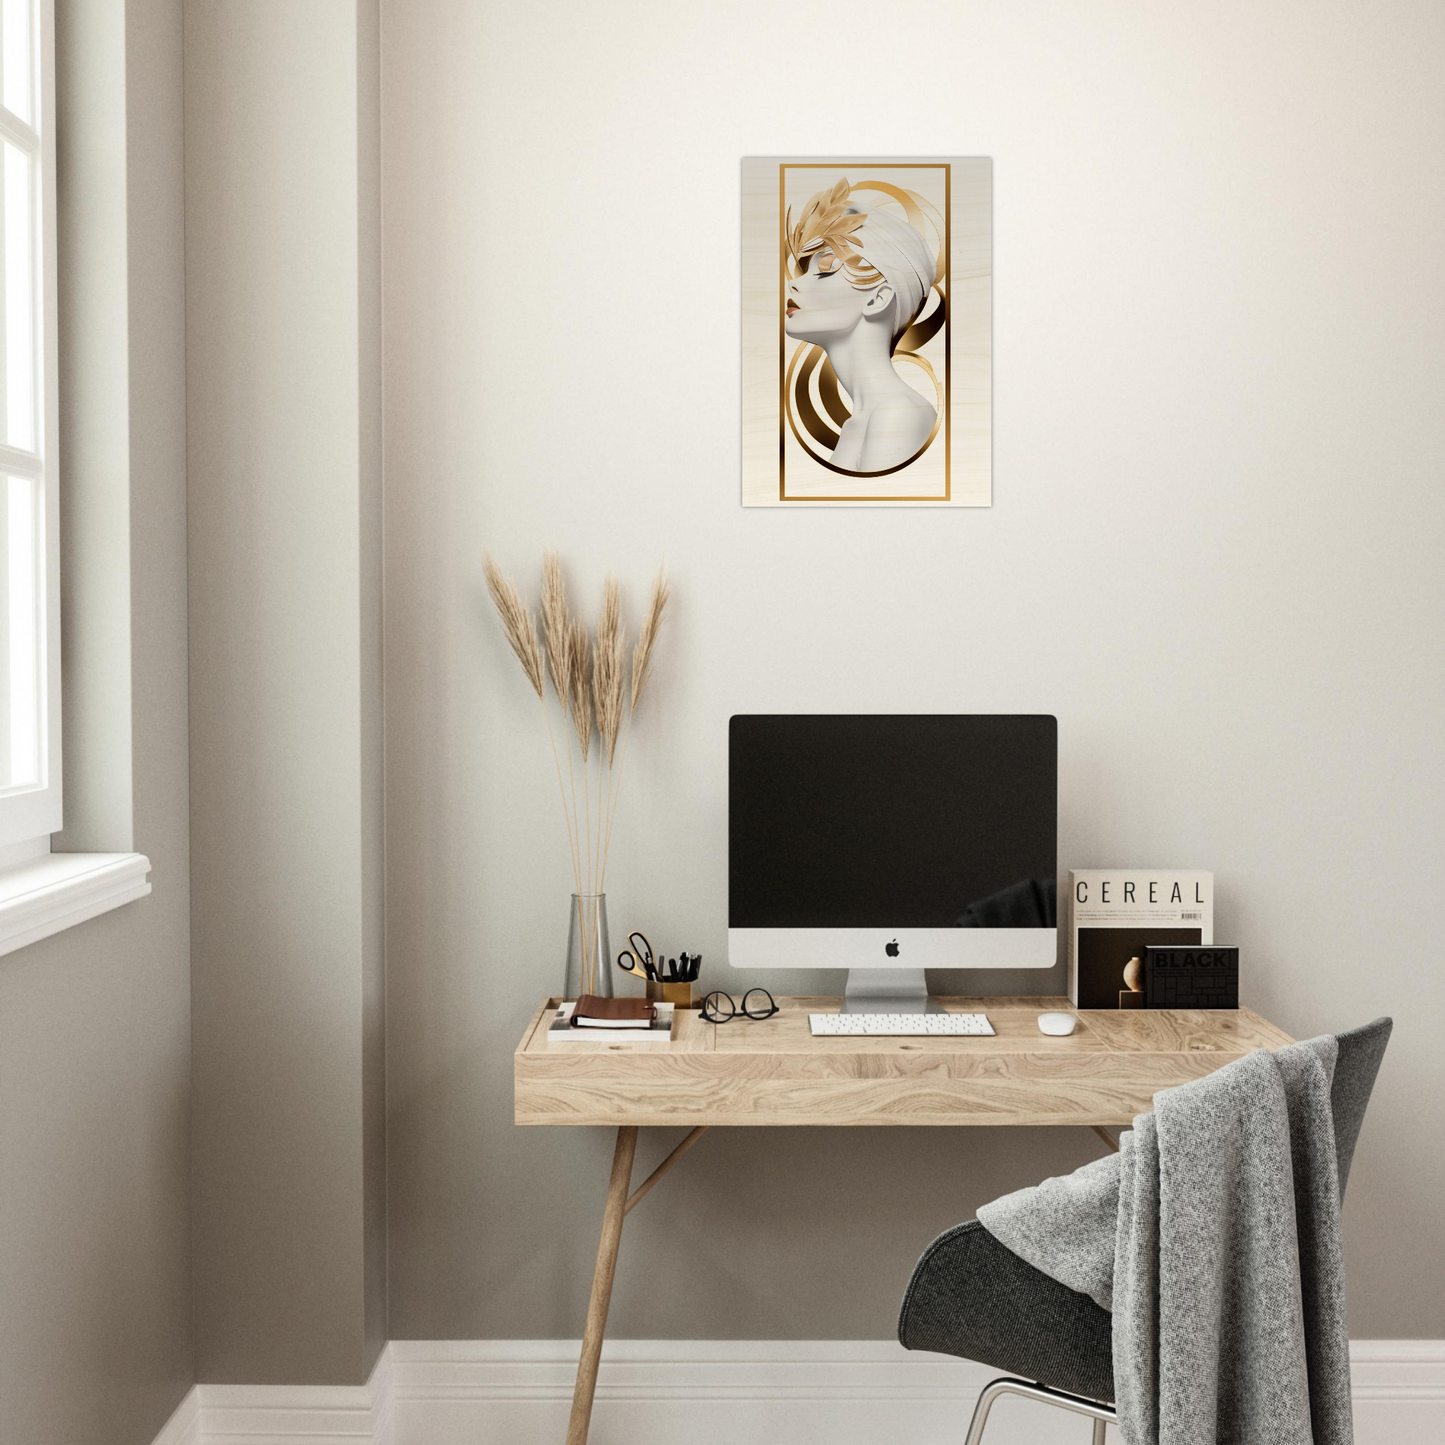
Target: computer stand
<point>887,991</point>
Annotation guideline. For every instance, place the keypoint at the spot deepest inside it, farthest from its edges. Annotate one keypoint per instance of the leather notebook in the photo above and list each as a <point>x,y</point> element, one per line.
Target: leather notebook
<point>612,1013</point>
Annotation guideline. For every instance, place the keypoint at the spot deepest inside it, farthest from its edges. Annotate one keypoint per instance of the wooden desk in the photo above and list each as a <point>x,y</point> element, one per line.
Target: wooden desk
<point>773,1072</point>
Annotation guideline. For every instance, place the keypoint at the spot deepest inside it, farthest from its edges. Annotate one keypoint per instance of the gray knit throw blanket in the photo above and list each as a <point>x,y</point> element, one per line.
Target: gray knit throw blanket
<point>1214,1237</point>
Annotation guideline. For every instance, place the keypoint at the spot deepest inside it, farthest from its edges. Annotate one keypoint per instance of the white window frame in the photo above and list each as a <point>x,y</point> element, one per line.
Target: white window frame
<point>29,815</point>
<point>42,892</point>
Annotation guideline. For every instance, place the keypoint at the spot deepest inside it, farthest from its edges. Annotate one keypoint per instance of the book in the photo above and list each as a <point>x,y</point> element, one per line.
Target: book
<point>593,1012</point>
<point>1115,913</point>
<point>562,1032</point>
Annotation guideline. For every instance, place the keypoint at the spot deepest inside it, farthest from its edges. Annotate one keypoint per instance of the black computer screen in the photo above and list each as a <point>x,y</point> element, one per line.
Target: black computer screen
<point>931,821</point>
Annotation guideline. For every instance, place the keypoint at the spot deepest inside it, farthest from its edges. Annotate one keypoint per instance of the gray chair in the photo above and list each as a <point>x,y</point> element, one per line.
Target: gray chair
<point>970,1296</point>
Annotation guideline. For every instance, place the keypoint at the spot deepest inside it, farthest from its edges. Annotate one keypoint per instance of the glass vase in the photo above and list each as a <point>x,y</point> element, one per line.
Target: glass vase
<point>589,953</point>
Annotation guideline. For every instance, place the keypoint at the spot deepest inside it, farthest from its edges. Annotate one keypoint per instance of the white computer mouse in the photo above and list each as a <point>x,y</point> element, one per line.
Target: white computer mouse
<point>1057,1023</point>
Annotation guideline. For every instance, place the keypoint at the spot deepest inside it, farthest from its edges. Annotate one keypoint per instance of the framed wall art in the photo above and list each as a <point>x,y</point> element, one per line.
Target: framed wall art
<point>867,332</point>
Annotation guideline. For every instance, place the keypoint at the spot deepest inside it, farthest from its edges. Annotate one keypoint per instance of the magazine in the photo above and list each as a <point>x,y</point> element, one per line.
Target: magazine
<point>1115,912</point>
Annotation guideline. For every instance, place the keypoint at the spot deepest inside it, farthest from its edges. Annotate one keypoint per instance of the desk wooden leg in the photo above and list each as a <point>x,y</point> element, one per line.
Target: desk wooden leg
<point>612,1217</point>
<point>640,1193</point>
<point>1106,1136</point>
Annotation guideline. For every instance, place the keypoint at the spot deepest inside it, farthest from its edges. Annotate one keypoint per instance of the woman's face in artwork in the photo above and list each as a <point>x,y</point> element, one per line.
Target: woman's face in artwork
<point>821,303</point>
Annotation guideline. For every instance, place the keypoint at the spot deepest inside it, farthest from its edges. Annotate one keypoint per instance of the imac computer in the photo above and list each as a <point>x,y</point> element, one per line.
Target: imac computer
<point>890,844</point>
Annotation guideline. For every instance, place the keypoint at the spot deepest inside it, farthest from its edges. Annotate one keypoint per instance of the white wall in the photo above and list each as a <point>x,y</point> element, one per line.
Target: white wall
<point>1214,553</point>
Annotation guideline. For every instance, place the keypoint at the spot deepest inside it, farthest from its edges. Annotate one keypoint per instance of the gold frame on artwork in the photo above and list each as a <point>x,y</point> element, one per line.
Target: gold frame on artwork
<point>785,370</point>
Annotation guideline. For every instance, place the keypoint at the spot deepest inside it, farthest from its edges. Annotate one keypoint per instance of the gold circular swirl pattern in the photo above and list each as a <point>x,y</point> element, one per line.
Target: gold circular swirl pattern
<point>800,406</point>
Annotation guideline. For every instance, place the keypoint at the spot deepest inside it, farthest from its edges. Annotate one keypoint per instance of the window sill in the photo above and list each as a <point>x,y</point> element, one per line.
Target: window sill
<point>59,890</point>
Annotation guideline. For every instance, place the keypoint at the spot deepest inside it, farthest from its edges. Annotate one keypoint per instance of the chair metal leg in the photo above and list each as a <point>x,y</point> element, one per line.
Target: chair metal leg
<point>980,1411</point>
<point>1099,1413</point>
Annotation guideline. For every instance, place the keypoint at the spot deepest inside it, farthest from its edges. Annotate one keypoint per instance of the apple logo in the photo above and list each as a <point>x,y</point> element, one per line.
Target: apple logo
<point>891,949</point>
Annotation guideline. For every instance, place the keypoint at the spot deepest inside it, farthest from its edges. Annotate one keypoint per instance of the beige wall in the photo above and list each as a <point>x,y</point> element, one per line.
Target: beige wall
<point>95,1344</point>
<point>1214,553</point>
<point>282,320</point>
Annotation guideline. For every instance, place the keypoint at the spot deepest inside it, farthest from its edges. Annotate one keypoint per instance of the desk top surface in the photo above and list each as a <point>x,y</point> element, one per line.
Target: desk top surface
<point>775,1072</point>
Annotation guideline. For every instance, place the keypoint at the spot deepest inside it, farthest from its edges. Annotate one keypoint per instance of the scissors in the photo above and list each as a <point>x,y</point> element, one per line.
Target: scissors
<point>637,958</point>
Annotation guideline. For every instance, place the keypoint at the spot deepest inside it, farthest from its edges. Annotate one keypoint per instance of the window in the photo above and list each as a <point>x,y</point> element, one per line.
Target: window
<point>30,797</point>
<point>41,892</point>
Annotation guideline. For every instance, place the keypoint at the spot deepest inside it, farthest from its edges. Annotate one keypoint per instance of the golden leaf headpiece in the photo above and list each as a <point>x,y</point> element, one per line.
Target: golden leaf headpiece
<point>828,222</point>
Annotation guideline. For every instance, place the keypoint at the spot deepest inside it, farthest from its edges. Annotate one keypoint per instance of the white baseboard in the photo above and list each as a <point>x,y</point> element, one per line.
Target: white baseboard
<point>288,1414</point>
<point>184,1427</point>
<point>712,1392</point>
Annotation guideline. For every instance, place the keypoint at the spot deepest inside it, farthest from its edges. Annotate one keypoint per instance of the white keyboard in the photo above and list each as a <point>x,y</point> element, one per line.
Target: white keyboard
<point>912,1026</point>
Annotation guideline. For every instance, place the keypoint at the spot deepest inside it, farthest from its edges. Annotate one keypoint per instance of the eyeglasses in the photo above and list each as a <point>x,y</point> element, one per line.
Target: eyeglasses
<point>719,1008</point>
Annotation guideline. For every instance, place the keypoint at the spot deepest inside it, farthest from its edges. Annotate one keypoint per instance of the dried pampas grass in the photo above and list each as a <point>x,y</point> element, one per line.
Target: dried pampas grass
<point>609,670</point>
<point>589,681</point>
<point>647,636</point>
<point>555,633</point>
<point>579,685</point>
<point>516,623</point>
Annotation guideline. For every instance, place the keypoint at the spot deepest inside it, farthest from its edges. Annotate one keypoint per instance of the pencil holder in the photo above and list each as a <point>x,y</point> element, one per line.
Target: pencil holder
<point>679,994</point>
